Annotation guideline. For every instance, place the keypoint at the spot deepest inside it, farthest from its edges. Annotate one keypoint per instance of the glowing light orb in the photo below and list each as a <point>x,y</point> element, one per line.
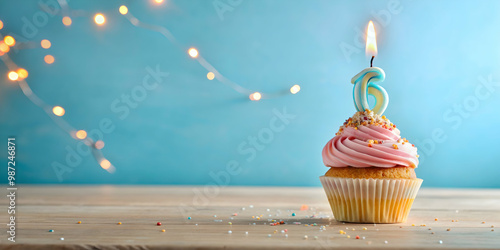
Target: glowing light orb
<point>81,134</point>
<point>58,110</point>
<point>4,47</point>
<point>193,52</point>
<point>255,96</point>
<point>295,89</point>
<point>45,44</point>
<point>67,21</point>
<point>99,19</point>
<point>49,59</point>
<point>123,10</point>
<point>105,164</point>
<point>22,73</point>
<point>159,1</point>
<point>99,144</point>
<point>210,75</point>
<point>9,41</point>
<point>13,76</point>
<point>1,24</point>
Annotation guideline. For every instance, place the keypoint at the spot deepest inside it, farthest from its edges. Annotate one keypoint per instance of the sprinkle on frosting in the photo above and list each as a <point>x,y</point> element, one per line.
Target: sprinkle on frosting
<point>366,118</point>
<point>369,140</point>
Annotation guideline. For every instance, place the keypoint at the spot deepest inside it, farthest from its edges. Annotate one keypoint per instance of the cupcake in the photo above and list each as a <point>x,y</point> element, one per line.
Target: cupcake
<point>371,176</point>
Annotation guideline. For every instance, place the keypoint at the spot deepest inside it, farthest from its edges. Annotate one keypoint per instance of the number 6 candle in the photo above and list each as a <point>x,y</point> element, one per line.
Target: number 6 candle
<point>365,82</point>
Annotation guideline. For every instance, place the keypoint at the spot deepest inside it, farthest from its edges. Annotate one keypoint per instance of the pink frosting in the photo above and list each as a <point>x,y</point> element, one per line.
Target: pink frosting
<point>350,148</point>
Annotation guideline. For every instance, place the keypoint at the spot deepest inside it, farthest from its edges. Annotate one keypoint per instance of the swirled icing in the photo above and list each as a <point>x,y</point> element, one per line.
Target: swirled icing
<point>369,140</point>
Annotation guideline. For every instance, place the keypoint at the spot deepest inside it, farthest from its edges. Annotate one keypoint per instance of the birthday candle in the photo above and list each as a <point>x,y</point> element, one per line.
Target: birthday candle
<point>364,85</point>
<point>365,82</point>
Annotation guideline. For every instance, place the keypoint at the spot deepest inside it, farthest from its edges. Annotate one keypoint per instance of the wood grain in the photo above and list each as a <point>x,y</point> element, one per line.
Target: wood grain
<point>139,208</point>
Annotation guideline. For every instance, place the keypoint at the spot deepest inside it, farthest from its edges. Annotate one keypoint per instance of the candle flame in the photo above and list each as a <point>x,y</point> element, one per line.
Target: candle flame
<point>371,40</point>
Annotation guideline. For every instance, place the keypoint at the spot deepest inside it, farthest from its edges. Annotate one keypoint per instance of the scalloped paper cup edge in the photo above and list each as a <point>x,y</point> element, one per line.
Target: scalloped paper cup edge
<point>370,200</point>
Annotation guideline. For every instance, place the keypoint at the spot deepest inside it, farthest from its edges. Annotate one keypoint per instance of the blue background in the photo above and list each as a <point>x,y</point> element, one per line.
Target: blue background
<point>433,53</point>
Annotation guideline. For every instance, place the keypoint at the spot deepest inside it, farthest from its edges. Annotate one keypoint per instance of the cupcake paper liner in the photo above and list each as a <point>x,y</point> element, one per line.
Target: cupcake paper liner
<point>370,200</point>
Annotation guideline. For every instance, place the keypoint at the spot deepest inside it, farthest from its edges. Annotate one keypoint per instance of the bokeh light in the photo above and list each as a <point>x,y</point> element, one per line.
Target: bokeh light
<point>105,164</point>
<point>9,40</point>
<point>22,73</point>
<point>1,24</point>
<point>49,59</point>
<point>255,96</point>
<point>58,110</point>
<point>159,1</point>
<point>66,21</point>
<point>99,19</point>
<point>45,44</point>
<point>99,144</point>
<point>193,52</point>
<point>13,76</point>
<point>123,10</point>
<point>295,89</point>
<point>4,47</point>
<point>210,75</point>
<point>81,134</point>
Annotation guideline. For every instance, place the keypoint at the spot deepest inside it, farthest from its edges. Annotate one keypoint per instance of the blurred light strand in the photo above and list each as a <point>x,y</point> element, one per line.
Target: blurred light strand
<point>19,75</point>
<point>194,53</point>
<point>56,113</point>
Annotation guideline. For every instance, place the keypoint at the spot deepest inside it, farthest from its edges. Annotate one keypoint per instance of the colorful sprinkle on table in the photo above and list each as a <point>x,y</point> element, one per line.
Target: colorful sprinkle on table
<point>315,218</point>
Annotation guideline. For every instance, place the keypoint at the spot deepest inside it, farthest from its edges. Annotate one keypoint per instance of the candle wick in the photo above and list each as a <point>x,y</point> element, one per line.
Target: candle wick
<point>371,61</point>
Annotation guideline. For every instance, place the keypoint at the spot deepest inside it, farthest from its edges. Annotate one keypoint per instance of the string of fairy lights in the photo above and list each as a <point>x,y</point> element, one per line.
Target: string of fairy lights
<point>56,113</point>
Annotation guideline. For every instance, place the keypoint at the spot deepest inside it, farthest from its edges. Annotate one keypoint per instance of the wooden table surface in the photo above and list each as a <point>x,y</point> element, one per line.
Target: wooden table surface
<point>221,216</point>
